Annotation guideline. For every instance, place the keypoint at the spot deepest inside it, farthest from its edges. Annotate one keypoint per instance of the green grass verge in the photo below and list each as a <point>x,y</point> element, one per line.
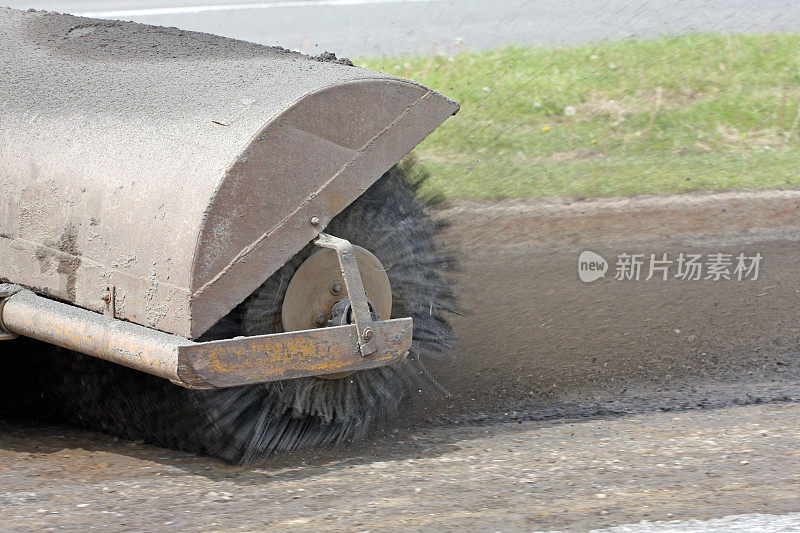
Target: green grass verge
<point>677,114</point>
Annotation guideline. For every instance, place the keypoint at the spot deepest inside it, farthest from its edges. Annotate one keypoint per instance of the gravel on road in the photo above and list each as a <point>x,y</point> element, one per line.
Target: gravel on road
<point>575,475</point>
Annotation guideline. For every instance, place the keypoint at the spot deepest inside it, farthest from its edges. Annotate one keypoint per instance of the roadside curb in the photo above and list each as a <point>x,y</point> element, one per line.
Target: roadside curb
<point>549,221</point>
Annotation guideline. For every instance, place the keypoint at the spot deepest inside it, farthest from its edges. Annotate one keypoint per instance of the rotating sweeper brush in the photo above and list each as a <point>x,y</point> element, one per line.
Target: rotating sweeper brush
<point>206,243</point>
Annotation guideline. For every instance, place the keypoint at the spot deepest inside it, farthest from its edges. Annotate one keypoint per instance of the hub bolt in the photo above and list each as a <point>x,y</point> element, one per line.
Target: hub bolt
<point>320,319</point>
<point>367,334</point>
<point>314,221</point>
<point>335,287</point>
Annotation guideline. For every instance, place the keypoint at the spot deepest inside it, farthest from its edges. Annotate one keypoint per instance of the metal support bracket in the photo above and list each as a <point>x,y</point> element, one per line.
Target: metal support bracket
<point>110,299</point>
<point>6,291</point>
<point>362,317</point>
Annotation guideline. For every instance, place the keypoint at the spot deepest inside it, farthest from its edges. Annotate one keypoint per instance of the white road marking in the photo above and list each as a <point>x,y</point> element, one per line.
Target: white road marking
<point>744,523</point>
<point>188,10</point>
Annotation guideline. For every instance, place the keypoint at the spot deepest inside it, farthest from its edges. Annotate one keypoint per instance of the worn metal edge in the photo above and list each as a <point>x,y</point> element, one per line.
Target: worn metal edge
<point>290,355</point>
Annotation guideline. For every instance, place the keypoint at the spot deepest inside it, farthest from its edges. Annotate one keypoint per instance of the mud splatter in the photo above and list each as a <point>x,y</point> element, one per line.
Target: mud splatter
<point>330,57</point>
<point>65,256</point>
<point>70,260</point>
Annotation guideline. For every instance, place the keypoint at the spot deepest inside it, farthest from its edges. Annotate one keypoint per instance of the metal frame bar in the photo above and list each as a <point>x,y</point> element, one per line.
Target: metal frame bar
<point>6,291</point>
<point>197,365</point>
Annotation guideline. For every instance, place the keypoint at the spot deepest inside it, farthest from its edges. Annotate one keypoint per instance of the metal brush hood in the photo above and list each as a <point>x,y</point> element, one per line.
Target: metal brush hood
<point>159,176</point>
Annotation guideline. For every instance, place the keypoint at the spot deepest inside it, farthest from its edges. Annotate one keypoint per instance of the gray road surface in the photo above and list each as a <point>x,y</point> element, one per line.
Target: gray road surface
<point>375,27</point>
<point>536,339</point>
<point>571,475</point>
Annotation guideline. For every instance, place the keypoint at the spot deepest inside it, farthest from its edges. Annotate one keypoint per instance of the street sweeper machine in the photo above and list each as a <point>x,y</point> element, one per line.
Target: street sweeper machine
<point>207,243</point>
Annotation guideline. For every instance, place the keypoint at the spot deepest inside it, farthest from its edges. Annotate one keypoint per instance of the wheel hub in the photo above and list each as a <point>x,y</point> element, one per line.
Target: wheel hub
<point>317,287</point>
<point>317,296</point>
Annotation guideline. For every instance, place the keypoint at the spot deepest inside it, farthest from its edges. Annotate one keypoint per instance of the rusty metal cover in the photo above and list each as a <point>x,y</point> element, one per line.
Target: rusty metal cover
<point>179,168</point>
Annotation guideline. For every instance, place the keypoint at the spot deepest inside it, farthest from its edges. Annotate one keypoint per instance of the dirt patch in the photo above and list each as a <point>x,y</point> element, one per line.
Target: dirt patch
<point>534,335</point>
<point>751,139</point>
<point>640,102</point>
<point>575,155</point>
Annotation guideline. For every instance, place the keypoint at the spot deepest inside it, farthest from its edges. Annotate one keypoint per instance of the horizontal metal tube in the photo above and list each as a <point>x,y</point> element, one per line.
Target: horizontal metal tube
<point>201,365</point>
<point>94,334</point>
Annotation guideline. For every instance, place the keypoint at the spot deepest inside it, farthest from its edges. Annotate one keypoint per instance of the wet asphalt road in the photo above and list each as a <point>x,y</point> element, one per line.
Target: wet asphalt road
<point>359,28</point>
